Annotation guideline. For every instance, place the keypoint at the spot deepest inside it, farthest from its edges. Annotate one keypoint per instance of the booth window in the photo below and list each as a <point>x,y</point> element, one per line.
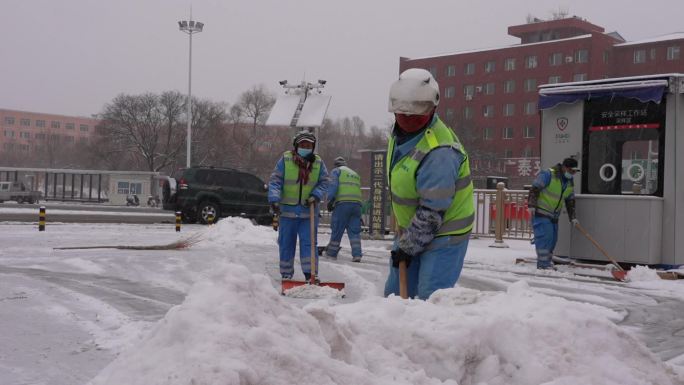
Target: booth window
<point>127,188</point>
<point>623,148</point>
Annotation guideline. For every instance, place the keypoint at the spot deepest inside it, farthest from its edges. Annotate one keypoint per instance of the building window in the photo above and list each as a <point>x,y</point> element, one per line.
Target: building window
<point>469,91</point>
<point>40,123</point>
<point>449,115</point>
<point>25,135</point>
<point>556,59</point>
<point>55,124</point>
<point>640,56</point>
<point>530,85</point>
<point>40,136</point>
<point>69,126</point>
<point>24,147</point>
<point>554,79</point>
<point>488,133</point>
<point>508,133</point>
<point>488,111</point>
<point>9,120</point>
<point>531,61</point>
<point>470,69</point>
<point>529,132</point>
<point>509,109</point>
<point>433,72</point>
<point>509,86</point>
<point>490,66</point>
<point>68,139</point>
<point>25,122</point>
<point>581,56</point>
<point>490,88</point>
<point>528,152</point>
<point>467,113</point>
<point>509,64</point>
<point>530,108</point>
<point>84,127</point>
<point>579,77</point>
<point>508,153</point>
<point>9,134</point>
<point>673,53</point>
<point>449,92</point>
<point>451,71</point>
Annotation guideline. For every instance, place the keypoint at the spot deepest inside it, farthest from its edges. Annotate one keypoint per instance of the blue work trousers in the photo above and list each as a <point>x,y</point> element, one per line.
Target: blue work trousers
<point>346,216</point>
<point>288,231</point>
<point>545,237</point>
<point>436,268</point>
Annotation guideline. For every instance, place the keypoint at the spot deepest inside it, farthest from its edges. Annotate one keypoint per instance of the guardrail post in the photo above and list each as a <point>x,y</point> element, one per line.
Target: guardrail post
<point>178,221</point>
<point>41,218</point>
<point>500,221</point>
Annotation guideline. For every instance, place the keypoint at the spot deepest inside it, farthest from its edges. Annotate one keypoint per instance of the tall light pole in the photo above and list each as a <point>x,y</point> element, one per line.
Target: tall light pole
<point>190,27</point>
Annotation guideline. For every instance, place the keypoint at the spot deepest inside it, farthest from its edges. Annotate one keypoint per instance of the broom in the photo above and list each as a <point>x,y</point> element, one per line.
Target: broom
<point>181,244</point>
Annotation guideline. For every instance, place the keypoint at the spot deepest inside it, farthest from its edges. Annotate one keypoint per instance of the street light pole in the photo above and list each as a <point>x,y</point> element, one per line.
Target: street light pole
<point>190,27</point>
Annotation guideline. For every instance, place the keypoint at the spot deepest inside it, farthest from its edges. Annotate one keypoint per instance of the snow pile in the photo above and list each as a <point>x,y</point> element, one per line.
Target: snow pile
<point>235,328</point>
<point>641,274</point>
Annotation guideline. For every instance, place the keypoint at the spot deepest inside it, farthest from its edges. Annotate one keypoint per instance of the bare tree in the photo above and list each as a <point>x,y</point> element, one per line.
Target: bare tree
<point>147,127</point>
<point>255,105</point>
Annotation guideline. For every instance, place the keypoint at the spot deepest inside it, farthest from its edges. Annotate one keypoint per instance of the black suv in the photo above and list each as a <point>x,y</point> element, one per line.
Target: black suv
<point>219,192</point>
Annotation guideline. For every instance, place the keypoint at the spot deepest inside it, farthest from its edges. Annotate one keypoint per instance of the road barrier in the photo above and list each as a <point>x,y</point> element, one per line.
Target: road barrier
<point>41,218</point>
<point>178,221</point>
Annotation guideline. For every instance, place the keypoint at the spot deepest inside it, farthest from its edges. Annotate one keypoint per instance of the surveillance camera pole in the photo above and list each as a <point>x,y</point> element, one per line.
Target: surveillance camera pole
<point>303,89</point>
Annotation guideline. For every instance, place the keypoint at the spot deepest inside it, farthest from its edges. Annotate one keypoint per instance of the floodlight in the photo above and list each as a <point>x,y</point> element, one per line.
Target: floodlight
<point>283,82</point>
<point>322,82</point>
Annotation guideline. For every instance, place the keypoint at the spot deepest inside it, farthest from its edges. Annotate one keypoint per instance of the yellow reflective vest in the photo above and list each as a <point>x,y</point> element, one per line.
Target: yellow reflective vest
<point>296,193</point>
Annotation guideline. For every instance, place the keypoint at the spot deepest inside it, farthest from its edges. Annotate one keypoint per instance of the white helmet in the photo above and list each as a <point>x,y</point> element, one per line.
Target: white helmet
<point>415,93</point>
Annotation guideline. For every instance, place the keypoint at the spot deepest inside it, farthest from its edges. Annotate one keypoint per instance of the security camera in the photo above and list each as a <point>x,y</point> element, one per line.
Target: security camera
<point>282,82</point>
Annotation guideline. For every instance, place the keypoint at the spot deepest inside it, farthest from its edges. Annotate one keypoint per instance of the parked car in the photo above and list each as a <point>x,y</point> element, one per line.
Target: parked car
<point>17,191</point>
<point>219,192</point>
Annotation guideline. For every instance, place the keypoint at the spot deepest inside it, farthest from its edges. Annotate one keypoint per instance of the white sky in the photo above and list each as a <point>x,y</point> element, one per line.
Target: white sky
<point>118,316</point>
<point>72,56</point>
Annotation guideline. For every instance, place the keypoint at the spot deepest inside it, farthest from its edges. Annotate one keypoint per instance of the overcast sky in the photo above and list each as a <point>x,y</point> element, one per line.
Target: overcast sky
<point>73,56</point>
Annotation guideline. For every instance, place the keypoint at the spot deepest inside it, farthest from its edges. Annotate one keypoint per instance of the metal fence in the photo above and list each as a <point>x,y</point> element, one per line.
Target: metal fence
<point>515,215</point>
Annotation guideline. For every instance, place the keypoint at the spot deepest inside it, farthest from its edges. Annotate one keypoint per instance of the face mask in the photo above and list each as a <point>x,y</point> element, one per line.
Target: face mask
<point>304,152</point>
<point>568,175</point>
<point>412,123</point>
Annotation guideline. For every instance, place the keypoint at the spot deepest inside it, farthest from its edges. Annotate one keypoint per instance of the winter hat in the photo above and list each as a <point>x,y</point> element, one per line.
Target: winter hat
<point>570,163</point>
<point>339,161</point>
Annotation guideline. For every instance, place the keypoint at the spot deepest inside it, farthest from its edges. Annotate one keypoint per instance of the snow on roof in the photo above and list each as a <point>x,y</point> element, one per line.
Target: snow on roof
<point>498,48</point>
<point>671,36</point>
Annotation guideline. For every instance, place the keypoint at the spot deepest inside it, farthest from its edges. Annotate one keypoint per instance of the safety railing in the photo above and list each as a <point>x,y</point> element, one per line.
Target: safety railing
<point>516,218</point>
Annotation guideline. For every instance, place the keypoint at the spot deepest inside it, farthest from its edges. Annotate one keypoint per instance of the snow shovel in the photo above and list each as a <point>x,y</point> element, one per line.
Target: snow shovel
<point>403,281</point>
<point>288,283</point>
<point>619,273</point>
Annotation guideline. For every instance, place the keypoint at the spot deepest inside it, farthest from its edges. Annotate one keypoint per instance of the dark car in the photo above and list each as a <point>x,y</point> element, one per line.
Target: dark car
<point>219,192</point>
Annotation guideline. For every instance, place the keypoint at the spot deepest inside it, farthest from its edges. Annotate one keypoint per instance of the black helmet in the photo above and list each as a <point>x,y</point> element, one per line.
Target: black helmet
<point>340,161</point>
<point>304,136</point>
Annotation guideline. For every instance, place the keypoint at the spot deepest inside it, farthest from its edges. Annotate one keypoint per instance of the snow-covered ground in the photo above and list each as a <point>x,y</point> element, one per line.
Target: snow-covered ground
<point>213,314</point>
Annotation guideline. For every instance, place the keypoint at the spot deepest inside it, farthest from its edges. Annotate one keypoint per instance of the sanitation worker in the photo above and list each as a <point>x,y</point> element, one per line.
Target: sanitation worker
<point>298,181</point>
<point>344,200</point>
<point>550,190</point>
<point>432,193</point>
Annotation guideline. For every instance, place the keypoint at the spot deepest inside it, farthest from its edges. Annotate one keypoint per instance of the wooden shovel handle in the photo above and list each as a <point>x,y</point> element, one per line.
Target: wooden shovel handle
<point>605,253</point>
<point>312,234</point>
<point>403,281</point>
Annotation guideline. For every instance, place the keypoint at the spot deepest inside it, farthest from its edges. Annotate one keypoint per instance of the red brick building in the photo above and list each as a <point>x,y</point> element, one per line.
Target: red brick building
<point>490,96</point>
<point>26,133</point>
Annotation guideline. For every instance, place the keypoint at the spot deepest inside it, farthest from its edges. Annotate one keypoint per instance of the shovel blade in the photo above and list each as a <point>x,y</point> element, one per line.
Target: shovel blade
<point>619,275</point>
<point>288,284</point>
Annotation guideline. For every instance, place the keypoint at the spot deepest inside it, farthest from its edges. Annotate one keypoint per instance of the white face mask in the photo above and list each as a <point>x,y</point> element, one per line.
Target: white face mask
<point>568,175</point>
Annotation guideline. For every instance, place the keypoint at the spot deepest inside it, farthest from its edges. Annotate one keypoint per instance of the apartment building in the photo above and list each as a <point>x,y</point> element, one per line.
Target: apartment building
<point>26,132</point>
<point>490,96</point>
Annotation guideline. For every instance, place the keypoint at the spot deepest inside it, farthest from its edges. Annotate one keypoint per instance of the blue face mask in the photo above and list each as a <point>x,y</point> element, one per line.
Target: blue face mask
<point>568,175</point>
<point>304,152</point>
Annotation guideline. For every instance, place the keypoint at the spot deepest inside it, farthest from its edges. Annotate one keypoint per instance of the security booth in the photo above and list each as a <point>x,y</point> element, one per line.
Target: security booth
<point>627,135</point>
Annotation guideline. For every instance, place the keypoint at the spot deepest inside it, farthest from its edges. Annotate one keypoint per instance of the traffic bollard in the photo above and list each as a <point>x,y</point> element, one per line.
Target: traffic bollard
<point>41,219</point>
<point>210,219</point>
<point>178,221</point>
